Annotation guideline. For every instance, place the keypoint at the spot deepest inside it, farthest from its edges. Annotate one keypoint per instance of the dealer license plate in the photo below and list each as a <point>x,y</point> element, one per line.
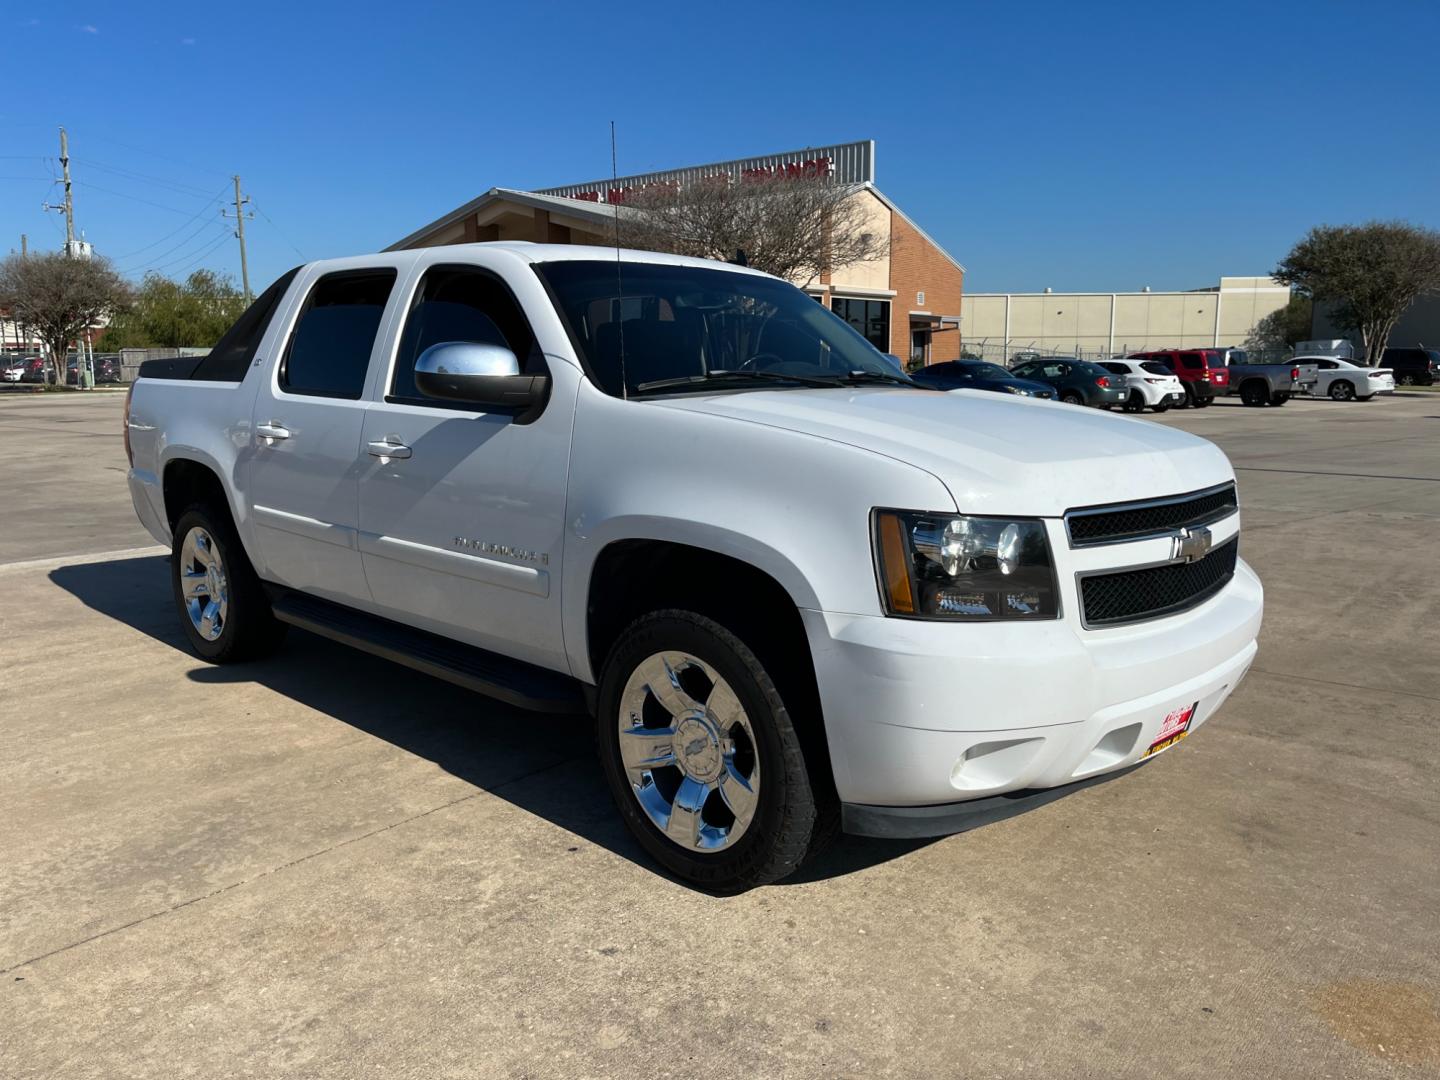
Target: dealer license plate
<point>1175,728</point>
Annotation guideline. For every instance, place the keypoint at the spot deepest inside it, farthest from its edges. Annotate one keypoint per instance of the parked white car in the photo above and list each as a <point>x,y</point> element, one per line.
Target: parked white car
<point>1152,385</point>
<point>13,374</point>
<point>796,589</point>
<point>1344,380</point>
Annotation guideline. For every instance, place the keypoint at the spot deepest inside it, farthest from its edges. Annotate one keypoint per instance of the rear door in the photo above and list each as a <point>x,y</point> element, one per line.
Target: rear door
<point>306,428</point>
<point>462,509</point>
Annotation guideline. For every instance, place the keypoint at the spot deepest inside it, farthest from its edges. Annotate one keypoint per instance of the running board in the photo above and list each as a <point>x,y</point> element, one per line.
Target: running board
<point>511,681</point>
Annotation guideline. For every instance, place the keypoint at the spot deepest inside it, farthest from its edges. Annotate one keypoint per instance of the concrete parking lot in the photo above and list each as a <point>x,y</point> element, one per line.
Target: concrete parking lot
<point>323,865</point>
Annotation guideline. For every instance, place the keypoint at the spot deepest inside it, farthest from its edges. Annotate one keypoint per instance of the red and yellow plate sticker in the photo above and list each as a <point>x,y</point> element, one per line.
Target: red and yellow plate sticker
<point>1175,727</point>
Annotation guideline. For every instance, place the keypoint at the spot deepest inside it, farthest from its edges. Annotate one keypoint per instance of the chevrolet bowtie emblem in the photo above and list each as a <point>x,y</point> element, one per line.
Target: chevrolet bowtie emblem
<point>1191,545</point>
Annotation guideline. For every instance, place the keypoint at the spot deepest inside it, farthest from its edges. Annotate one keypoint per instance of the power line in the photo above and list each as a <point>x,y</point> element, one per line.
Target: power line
<point>183,225</point>
<point>131,174</point>
<point>134,198</point>
<point>204,255</point>
<point>215,243</point>
<point>156,154</point>
<point>202,228</point>
<point>284,237</point>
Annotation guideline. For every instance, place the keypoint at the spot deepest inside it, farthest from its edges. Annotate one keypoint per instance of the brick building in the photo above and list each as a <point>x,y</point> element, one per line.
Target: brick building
<point>906,302</point>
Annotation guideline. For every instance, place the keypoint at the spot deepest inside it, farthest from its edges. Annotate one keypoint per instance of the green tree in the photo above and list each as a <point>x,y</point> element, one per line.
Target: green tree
<point>1281,330</point>
<point>166,313</point>
<point>60,298</point>
<point>1367,274</point>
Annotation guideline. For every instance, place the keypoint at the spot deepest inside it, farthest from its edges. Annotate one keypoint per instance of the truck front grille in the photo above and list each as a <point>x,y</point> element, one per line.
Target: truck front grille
<point>1126,596</point>
<point>1131,521</point>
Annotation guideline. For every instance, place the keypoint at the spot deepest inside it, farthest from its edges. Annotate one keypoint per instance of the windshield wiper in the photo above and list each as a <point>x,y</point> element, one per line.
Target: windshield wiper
<point>857,378</point>
<point>731,376</point>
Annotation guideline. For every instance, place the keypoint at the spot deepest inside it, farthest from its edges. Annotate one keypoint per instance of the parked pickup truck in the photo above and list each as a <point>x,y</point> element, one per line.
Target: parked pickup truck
<point>797,590</point>
<point>1271,384</point>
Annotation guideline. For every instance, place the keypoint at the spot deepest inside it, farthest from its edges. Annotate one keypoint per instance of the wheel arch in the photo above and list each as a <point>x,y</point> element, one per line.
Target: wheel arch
<point>633,576</point>
<point>187,478</point>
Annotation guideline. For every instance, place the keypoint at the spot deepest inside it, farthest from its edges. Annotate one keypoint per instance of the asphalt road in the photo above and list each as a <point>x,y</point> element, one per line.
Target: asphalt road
<point>323,865</point>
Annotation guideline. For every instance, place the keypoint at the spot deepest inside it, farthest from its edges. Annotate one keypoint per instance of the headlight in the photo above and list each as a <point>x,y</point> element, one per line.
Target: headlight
<point>1017,390</point>
<point>947,566</point>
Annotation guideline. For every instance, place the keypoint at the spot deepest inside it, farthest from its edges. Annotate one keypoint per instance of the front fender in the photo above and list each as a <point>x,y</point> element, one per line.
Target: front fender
<point>794,506</point>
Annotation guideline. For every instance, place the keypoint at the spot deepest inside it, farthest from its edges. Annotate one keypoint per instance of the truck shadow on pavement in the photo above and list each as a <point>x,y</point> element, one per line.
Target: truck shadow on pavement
<point>545,765</point>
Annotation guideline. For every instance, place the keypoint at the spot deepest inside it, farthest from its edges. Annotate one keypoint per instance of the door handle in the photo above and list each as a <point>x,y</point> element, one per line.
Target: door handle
<point>272,430</point>
<point>387,449</point>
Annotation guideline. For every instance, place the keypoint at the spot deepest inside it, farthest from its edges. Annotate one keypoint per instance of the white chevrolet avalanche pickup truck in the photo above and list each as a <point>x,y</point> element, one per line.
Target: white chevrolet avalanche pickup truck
<point>798,591</point>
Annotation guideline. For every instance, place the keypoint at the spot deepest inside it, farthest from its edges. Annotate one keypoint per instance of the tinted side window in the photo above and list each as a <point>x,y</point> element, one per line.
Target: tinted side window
<point>230,358</point>
<point>330,347</point>
<point>1154,367</point>
<point>460,303</point>
<point>1189,360</point>
<point>1117,369</point>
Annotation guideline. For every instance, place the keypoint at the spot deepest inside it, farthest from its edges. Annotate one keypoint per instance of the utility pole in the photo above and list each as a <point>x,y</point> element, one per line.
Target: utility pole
<point>24,245</point>
<point>68,206</point>
<point>240,216</point>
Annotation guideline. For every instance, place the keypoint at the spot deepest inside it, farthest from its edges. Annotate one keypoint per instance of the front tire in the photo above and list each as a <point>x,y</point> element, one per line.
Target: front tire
<point>1070,397</point>
<point>223,608</point>
<point>701,754</point>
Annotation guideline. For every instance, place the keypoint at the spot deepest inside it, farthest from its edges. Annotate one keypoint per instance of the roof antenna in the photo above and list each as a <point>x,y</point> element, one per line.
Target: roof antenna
<point>619,277</point>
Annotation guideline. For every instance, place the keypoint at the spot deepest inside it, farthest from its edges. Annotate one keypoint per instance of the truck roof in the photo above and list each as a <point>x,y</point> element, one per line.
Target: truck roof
<point>531,253</point>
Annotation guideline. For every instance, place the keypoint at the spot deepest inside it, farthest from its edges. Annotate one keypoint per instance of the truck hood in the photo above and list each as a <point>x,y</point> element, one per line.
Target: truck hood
<point>996,454</point>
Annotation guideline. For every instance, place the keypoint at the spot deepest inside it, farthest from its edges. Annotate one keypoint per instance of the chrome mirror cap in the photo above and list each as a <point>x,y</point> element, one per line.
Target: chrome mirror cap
<point>467,358</point>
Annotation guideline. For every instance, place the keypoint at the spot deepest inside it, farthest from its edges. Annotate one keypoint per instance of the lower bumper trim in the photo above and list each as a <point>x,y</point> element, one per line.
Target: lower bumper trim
<point>946,819</point>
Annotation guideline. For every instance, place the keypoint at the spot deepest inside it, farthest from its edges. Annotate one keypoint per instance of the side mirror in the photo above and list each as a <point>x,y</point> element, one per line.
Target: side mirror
<point>478,374</point>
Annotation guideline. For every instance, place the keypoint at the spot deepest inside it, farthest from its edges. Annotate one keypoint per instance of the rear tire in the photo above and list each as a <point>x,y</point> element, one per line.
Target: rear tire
<point>1164,406</point>
<point>719,764</point>
<point>223,608</point>
<point>1342,390</point>
<point>1136,402</point>
<point>1254,393</point>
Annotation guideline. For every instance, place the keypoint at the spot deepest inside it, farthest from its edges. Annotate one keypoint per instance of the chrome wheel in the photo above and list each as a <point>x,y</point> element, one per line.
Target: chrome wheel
<point>689,751</point>
<point>203,584</point>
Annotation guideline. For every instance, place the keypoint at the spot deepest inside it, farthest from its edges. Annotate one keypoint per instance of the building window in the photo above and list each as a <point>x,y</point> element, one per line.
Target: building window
<point>871,318</point>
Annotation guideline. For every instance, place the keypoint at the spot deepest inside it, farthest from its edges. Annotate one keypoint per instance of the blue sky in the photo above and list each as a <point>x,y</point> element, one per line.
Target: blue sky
<point>1071,145</point>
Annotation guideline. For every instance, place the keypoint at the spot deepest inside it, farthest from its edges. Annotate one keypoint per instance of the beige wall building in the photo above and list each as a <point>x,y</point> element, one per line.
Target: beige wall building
<point>998,325</point>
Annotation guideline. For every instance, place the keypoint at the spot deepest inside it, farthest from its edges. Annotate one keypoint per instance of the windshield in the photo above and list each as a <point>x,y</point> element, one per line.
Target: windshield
<point>677,322</point>
<point>982,370</point>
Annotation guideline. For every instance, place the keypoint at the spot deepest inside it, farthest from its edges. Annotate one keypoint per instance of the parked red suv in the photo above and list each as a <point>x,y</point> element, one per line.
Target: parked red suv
<point>1203,371</point>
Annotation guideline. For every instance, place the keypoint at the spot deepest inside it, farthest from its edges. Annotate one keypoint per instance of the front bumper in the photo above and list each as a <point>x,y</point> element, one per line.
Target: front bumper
<point>925,714</point>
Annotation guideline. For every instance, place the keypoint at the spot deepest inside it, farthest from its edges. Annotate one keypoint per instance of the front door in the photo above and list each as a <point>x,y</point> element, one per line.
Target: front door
<point>306,429</point>
<point>462,511</point>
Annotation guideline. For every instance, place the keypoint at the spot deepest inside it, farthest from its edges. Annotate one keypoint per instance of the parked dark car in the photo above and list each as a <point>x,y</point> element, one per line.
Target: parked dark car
<point>1077,382</point>
<point>1203,371</point>
<point>34,370</point>
<point>1413,367</point>
<point>107,370</point>
<point>978,375</point>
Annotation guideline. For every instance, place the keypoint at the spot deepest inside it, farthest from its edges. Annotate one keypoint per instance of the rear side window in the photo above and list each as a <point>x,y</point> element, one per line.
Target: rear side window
<point>1154,367</point>
<point>1190,360</point>
<point>460,303</point>
<point>1117,369</point>
<point>230,358</point>
<point>329,349</point>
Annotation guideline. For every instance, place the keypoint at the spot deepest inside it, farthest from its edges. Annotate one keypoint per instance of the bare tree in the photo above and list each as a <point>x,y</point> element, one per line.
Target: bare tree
<point>1367,274</point>
<point>793,227</point>
<point>60,298</point>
